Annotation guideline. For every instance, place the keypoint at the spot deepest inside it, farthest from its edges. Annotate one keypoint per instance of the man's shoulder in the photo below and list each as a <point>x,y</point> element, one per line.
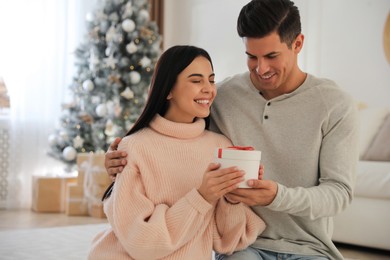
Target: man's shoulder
<point>320,81</point>
<point>328,87</point>
<point>331,94</point>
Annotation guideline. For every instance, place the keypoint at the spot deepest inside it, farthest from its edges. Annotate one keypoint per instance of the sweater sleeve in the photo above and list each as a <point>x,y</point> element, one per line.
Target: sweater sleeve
<point>236,227</point>
<point>149,231</point>
<point>337,168</point>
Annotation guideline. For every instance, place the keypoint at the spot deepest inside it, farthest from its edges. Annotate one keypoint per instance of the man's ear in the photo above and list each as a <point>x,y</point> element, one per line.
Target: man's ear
<point>298,43</point>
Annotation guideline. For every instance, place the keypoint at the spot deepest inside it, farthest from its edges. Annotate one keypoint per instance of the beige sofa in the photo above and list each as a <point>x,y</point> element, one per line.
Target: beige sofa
<point>366,222</point>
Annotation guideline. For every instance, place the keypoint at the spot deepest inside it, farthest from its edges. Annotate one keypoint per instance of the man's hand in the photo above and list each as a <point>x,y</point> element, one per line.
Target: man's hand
<point>262,193</point>
<point>114,160</point>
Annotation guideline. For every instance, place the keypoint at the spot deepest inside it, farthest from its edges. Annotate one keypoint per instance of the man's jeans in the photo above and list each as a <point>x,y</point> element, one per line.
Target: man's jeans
<point>251,253</point>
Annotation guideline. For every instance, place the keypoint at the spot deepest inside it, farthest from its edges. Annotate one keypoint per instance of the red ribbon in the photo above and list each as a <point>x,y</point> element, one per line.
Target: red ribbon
<point>245,148</point>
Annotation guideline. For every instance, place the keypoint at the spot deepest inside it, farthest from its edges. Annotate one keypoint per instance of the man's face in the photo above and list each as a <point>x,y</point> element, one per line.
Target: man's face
<point>272,65</point>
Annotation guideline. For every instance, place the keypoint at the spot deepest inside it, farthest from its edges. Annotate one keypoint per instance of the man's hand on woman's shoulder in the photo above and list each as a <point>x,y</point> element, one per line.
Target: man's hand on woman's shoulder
<point>115,160</point>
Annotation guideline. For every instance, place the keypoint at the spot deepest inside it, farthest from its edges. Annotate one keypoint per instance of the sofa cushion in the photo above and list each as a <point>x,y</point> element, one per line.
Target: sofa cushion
<point>371,120</point>
<point>379,149</point>
<point>373,180</point>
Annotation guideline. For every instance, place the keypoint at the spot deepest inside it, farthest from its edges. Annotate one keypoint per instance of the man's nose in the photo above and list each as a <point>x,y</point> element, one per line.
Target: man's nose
<point>262,67</point>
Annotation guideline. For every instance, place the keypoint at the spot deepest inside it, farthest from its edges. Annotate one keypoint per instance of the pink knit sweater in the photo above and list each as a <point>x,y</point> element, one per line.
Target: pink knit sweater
<point>155,210</point>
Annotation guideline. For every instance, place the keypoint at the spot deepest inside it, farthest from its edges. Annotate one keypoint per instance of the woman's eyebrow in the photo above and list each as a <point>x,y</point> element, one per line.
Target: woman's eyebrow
<point>200,75</point>
<point>195,75</point>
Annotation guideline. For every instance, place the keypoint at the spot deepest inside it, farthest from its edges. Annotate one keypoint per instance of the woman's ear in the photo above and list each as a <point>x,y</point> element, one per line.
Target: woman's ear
<point>169,96</point>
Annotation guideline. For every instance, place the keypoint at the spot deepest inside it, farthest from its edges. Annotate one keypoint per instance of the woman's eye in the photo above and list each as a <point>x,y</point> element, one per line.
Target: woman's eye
<point>212,81</point>
<point>196,81</point>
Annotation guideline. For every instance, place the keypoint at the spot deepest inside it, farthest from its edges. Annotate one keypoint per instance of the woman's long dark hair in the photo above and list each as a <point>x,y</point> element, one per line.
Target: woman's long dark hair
<point>171,63</point>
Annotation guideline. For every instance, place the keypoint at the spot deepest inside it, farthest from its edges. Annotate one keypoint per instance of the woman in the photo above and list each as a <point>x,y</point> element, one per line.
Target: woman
<point>163,205</point>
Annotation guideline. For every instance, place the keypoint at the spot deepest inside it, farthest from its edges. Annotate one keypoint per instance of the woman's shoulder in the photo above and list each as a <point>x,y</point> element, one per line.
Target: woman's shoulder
<point>130,142</point>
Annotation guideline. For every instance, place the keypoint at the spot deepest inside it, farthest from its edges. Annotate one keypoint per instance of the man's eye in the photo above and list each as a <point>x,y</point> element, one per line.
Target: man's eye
<point>196,81</point>
<point>212,81</point>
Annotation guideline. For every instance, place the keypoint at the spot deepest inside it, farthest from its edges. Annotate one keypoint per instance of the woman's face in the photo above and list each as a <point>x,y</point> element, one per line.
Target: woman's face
<point>193,92</point>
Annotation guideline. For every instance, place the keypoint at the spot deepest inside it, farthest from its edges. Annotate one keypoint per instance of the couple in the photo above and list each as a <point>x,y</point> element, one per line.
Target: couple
<point>304,126</point>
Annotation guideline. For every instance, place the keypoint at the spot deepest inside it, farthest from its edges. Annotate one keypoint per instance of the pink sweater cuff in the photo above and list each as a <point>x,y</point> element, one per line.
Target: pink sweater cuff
<point>198,202</point>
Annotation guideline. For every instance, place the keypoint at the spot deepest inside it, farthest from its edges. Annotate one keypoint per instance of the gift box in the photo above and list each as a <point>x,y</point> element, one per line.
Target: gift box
<point>76,204</point>
<point>89,161</point>
<point>96,210</point>
<point>94,179</point>
<point>244,157</point>
<point>49,193</point>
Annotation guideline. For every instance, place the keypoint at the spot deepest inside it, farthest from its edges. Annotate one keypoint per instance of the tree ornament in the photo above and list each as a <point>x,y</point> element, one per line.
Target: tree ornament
<point>89,17</point>
<point>128,25</point>
<point>135,77</point>
<point>52,140</point>
<point>108,51</point>
<point>78,142</point>
<point>146,32</point>
<point>86,118</point>
<point>94,34</point>
<point>101,110</point>
<point>109,128</point>
<point>144,15</point>
<point>111,61</point>
<point>93,61</point>
<point>69,153</point>
<point>115,78</point>
<point>64,135</point>
<point>88,85</point>
<point>128,10</point>
<point>131,47</point>
<point>113,17</point>
<point>145,61</point>
<point>127,93</point>
<point>110,35</point>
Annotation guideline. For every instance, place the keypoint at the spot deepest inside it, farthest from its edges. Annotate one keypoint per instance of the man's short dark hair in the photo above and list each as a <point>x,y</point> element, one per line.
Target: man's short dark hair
<point>259,18</point>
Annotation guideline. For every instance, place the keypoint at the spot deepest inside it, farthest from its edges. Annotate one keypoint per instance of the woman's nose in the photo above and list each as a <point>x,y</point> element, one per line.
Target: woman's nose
<point>207,87</point>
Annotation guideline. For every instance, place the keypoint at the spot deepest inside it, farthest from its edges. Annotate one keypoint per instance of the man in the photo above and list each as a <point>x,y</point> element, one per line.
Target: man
<point>306,128</point>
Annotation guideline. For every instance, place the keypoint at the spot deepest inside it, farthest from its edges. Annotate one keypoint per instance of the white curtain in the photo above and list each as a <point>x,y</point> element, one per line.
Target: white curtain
<point>37,41</point>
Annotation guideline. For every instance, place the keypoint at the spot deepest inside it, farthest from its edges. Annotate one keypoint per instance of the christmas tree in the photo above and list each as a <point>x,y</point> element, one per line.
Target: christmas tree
<point>114,68</point>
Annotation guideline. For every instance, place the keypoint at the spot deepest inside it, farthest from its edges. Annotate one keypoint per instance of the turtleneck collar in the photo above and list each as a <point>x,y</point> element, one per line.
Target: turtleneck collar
<point>178,130</point>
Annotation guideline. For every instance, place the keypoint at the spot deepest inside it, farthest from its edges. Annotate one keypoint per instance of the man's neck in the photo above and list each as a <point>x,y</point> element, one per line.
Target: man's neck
<point>289,86</point>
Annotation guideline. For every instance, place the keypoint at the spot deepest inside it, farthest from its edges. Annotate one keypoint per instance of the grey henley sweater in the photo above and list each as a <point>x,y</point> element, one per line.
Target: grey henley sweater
<point>309,144</point>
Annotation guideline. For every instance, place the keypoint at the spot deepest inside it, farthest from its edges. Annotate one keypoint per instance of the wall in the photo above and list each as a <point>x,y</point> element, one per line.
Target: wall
<point>343,40</point>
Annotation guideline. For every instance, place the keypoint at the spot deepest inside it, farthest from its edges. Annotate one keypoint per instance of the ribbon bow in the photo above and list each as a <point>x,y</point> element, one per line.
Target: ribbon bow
<point>91,188</point>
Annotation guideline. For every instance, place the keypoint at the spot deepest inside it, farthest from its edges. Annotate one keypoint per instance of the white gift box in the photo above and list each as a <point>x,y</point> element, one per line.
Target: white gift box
<point>245,158</point>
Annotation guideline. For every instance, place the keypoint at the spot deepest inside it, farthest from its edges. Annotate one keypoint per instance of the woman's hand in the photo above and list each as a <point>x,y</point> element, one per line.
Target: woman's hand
<point>217,182</point>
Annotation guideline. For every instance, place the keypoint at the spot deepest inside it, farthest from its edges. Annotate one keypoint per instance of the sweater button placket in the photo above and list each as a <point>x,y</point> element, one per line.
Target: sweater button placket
<point>268,104</point>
